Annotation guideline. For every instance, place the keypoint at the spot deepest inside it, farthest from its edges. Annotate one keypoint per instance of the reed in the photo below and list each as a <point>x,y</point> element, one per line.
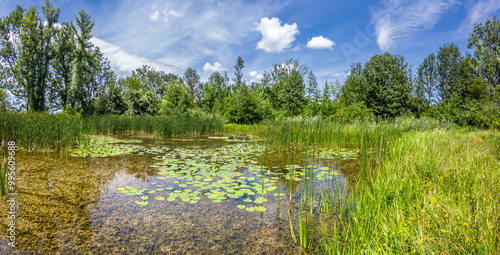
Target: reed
<point>3,177</point>
<point>52,131</point>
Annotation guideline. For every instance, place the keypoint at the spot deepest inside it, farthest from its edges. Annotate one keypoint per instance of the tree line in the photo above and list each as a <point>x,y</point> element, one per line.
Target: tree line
<point>50,66</point>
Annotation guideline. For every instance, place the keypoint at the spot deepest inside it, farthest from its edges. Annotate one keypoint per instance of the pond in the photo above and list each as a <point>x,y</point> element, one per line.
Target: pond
<point>132,194</point>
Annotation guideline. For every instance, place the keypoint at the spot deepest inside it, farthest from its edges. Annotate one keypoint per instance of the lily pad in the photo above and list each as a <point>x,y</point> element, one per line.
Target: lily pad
<point>160,198</point>
<point>241,207</point>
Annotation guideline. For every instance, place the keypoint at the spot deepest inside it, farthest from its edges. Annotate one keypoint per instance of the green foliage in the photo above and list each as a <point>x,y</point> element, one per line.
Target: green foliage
<point>382,85</point>
<point>356,112</point>
<point>82,63</point>
<point>176,99</point>
<point>448,60</point>
<point>427,76</point>
<point>192,80</point>
<point>287,88</point>
<point>142,102</point>
<point>484,39</point>
<point>246,107</point>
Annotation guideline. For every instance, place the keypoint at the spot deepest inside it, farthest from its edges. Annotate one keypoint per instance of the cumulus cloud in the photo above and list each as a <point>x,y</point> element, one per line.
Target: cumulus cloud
<point>320,42</point>
<point>216,67</point>
<point>395,19</point>
<point>275,37</point>
<point>124,63</point>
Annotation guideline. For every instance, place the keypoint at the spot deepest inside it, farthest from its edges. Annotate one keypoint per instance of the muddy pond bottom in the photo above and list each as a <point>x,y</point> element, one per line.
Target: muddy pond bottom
<point>135,195</point>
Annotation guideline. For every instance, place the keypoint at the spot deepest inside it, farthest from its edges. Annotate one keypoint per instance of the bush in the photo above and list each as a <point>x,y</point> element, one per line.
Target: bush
<point>355,112</point>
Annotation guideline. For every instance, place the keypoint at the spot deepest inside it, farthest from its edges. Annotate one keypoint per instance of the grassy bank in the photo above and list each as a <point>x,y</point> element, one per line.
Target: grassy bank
<point>42,131</point>
<point>425,187</point>
<point>435,192</point>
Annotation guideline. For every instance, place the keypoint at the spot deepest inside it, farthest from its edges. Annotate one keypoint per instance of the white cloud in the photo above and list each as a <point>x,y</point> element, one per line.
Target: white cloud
<point>254,76</point>
<point>155,16</point>
<point>320,42</point>
<point>395,19</point>
<point>339,74</point>
<point>216,67</point>
<point>166,12</point>
<point>275,37</point>
<point>478,13</point>
<point>124,63</point>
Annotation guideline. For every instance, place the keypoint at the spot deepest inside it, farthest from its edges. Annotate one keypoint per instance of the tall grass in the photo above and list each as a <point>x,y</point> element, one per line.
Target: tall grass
<point>3,176</point>
<point>41,130</point>
<point>436,192</point>
<point>424,187</point>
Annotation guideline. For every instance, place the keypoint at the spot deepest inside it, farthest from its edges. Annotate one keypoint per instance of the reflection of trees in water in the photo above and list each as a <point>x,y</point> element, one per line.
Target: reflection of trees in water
<point>56,197</point>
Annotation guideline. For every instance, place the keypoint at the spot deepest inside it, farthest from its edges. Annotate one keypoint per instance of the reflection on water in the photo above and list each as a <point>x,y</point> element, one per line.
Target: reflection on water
<point>74,205</point>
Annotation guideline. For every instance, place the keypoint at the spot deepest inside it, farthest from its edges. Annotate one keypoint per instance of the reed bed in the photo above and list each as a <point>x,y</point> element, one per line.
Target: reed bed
<point>49,131</point>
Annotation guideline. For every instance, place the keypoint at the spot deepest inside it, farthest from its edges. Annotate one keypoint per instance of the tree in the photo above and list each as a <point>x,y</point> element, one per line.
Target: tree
<point>45,55</point>
<point>448,60</point>
<point>82,62</point>
<point>214,92</point>
<point>176,100</point>
<point>312,91</point>
<point>353,90</point>
<point>238,73</point>
<point>427,76</point>
<point>288,89</point>
<point>387,91</point>
<point>64,48</point>
<point>485,39</point>
<point>192,80</point>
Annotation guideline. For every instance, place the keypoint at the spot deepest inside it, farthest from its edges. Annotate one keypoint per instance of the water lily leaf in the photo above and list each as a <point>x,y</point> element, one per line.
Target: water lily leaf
<point>145,197</point>
<point>241,207</point>
<point>250,209</point>
<point>160,198</point>
<point>120,188</point>
<point>260,208</point>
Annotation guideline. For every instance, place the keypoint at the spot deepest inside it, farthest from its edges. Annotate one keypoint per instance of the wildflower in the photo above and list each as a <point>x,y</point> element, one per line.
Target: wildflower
<point>395,233</point>
<point>378,250</point>
<point>364,245</point>
<point>385,244</point>
<point>466,224</point>
<point>442,230</point>
<point>413,251</point>
<point>490,227</point>
<point>446,215</point>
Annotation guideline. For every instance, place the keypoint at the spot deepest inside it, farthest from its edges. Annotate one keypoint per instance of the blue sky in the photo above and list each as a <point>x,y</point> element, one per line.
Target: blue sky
<point>328,36</point>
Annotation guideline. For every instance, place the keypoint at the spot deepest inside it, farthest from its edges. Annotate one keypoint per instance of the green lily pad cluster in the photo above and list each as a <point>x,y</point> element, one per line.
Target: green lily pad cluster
<point>337,154</point>
<point>103,146</point>
<point>221,175</point>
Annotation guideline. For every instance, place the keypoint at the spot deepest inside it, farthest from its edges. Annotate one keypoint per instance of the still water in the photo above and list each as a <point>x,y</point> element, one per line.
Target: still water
<point>136,195</point>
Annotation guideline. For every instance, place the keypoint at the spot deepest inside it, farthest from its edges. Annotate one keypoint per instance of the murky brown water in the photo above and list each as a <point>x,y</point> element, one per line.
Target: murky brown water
<point>70,205</point>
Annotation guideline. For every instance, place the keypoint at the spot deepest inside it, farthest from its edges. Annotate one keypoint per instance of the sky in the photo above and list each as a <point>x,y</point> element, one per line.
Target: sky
<point>326,35</point>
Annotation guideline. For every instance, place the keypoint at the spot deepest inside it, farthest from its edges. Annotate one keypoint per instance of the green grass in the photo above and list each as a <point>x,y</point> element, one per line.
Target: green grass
<point>3,177</point>
<point>425,187</point>
<point>435,192</point>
